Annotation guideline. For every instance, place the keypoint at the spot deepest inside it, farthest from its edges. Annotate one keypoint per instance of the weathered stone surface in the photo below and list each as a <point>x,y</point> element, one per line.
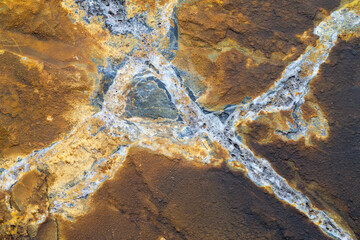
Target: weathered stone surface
<point>153,196</point>
<point>208,119</point>
<point>327,170</point>
<point>241,47</point>
<point>45,74</point>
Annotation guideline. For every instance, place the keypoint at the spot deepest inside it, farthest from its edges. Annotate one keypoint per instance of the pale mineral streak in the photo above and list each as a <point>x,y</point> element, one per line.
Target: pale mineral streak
<point>96,148</point>
<point>289,91</point>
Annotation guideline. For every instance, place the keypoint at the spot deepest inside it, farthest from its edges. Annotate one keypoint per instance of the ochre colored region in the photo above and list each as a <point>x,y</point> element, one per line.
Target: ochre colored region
<point>5,141</point>
<point>156,197</point>
<point>260,131</point>
<point>29,199</point>
<point>355,5</point>
<point>135,7</point>
<point>5,213</point>
<point>23,190</point>
<point>270,126</point>
<point>48,230</point>
<point>195,151</point>
<point>327,171</point>
<point>230,79</point>
<point>35,101</point>
<point>46,63</point>
<point>240,47</point>
<point>307,111</point>
<point>38,18</point>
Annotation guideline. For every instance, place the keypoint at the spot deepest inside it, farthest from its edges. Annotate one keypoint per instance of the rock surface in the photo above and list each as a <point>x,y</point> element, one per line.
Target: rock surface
<point>208,119</point>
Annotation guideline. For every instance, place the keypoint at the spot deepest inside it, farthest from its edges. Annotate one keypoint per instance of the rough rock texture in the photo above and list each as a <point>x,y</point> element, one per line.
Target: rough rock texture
<point>241,47</point>
<point>153,196</point>
<point>167,119</point>
<point>328,170</point>
<point>45,75</point>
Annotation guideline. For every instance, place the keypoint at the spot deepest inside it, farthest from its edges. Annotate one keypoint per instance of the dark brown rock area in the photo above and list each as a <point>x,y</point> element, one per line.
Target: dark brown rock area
<point>329,171</point>
<point>153,196</point>
<point>262,37</point>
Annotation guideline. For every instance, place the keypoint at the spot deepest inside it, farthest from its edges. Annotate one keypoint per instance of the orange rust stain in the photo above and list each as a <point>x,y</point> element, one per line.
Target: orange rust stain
<point>286,116</point>
<point>220,152</point>
<point>239,166</point>
<point>150,6</point>
<point>308,112</point>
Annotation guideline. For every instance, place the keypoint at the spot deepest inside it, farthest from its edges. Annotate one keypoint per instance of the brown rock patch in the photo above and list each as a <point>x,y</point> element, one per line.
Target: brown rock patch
<point>45,61</point>
<point>328,171</point>
<point>250,43</point>
<point>153,196</point>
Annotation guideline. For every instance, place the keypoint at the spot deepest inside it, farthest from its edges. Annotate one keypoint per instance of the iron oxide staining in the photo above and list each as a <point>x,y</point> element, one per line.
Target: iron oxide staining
<point>35,98</point>
<point>45,83</point>
<point>154,196</point>
<point>328,170</point>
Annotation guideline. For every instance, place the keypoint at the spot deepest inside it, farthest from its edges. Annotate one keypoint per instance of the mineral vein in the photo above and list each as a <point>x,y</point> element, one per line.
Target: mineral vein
<point>148,61</point>
<point>288,91</point>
